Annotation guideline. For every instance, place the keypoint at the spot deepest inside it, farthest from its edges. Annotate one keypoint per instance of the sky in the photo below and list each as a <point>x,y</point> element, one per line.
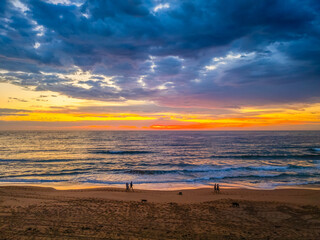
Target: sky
<point>159,65</point>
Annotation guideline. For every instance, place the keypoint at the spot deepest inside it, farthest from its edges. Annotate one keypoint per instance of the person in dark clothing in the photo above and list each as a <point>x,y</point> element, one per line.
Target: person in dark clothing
<point>127,187</point>
<point>131,186</point>
<point>218,188</point>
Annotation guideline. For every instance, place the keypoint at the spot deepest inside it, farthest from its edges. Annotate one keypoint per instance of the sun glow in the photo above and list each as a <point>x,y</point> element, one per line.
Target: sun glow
<point>25,106</point>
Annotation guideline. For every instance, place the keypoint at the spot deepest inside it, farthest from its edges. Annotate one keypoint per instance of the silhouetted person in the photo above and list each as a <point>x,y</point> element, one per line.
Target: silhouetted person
<point>131,186</point>
<point>215,187</point>
<point>127,187</point>
<point>218,188</point>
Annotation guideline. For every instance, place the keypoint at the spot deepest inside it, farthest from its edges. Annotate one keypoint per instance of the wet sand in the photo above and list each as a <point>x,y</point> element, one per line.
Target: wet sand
<point>110,213</point>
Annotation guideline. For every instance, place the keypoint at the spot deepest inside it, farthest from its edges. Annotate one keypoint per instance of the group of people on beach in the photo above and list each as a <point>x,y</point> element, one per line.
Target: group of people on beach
<point>129,186</point>
<point>216,188</point>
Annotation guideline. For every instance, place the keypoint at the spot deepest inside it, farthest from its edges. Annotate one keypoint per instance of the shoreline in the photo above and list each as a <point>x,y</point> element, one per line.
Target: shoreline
<point>163,187</point>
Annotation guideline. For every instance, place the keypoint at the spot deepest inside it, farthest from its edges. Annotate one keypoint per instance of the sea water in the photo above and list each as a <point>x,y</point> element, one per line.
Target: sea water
<point>157,159</point>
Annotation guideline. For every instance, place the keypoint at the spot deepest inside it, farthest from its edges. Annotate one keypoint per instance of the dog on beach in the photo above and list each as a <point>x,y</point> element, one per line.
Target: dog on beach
<point>235,204</point>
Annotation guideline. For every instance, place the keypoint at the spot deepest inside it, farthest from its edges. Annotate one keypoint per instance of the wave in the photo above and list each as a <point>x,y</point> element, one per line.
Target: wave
<point>46,174</point>
<point>315,149</point>
<point>151,172</point>
<point>189,145</point>
<point>50,160</point>
<point>32,180</point>
<point>214,174</point>
<point>254,178</point>
<point>265,176</point>
<point>210,169</point>
<point>268,157</point>
<point>41,150</point>
<point>14,160</point>
<point>119,152</point>
<point>151,164</point>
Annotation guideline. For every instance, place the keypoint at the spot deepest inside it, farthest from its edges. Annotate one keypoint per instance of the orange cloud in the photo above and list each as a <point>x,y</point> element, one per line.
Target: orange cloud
<point>224,123</point>
<point>74,117</point>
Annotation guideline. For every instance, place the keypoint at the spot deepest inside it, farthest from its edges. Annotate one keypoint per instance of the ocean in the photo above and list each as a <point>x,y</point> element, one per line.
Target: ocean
<point>160,159</point>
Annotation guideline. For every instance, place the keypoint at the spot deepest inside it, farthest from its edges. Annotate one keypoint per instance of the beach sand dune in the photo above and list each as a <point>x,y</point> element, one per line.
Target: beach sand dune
<point>106,213</point>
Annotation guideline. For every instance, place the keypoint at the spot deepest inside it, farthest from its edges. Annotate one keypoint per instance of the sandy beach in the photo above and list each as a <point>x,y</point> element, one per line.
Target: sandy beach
<point>110,213</point>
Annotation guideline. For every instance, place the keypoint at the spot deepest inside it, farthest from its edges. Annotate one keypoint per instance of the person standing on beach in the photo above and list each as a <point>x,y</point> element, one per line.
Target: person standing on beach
<point>131,186</point>
<point>218,188</point>
<point>215,187</point>
<point>127,187</point>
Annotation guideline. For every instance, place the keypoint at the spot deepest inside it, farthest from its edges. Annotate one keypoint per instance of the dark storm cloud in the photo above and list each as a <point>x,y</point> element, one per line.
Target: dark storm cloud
<point>168,66</point>
<point>189,53</point>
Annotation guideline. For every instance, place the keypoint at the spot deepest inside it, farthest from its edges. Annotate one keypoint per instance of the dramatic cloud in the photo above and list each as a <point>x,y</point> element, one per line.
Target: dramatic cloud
<point>174,53</point>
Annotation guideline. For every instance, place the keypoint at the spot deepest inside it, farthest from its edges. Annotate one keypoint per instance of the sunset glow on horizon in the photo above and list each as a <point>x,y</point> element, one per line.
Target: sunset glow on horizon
<point>159,65</point>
